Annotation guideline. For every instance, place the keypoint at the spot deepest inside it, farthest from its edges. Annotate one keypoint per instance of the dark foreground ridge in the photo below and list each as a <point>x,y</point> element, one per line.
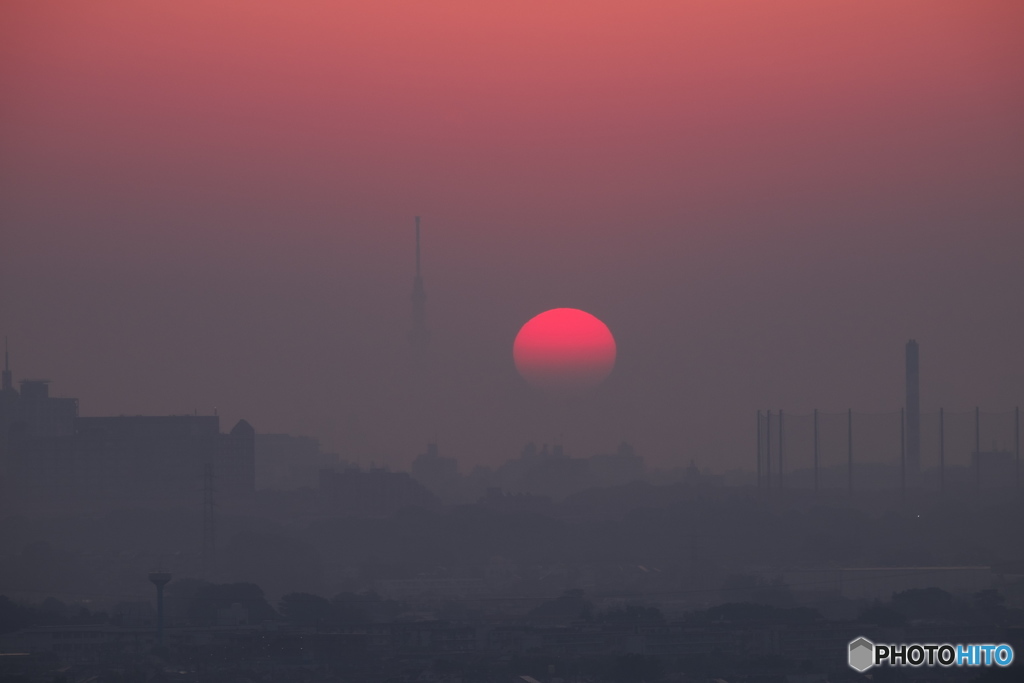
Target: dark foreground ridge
<point>631,583</point>
<point>223,632</point>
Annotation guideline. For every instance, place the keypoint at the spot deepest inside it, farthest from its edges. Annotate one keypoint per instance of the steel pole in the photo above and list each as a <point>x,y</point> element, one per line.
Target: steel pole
<point>849,450</point>
<point>903,453</point>
<point>942,450</point>
<point>759,448</point>
<point>815,449</point>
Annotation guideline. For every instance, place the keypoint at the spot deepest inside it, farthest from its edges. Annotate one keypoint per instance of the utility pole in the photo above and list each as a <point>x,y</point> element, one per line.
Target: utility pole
<point>849,450</point>
<point>815,449</point>
<point>903,454</point>
<point>942,450</point>
<point>759,448</point>
<point>782,448</point>
<point>977,448</point>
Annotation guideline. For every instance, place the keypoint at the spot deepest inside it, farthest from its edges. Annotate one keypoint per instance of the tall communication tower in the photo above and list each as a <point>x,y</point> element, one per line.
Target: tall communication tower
<point>420,335</point>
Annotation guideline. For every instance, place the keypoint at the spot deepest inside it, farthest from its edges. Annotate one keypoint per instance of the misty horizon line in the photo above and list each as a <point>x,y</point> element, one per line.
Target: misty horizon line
<point>1002,445</point>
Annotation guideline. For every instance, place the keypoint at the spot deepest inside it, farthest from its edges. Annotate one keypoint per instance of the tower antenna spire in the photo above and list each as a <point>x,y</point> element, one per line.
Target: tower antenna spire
<point>419,336</point>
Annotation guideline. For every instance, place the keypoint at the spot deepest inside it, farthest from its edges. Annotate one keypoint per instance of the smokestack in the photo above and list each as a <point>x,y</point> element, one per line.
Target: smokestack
<point>913,413</point>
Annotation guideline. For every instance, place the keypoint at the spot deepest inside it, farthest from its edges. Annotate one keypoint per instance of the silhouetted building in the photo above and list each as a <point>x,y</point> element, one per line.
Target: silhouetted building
<point>285,462</point>
<point>8,407</point>
<point>436,472</point>
<point>110,462</point>
<point>31,412</point>
<point>609,469</point>
<point>371,493</point>
<point>551,472</point>
<point>42,415</point>
<point>496,499</point>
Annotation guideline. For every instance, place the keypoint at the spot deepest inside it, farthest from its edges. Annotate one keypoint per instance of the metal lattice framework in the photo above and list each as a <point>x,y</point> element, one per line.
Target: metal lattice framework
<point>852,450</point>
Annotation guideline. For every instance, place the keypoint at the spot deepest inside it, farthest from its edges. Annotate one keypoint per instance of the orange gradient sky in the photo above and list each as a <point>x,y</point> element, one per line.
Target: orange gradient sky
<point>210,203</point>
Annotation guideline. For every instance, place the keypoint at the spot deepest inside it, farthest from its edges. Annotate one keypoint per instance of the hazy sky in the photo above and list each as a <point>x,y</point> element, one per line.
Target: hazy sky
<point>211,204</point>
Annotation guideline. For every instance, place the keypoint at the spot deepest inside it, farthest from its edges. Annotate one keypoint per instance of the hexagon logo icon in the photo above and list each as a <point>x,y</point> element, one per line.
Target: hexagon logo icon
<point>862,654</point>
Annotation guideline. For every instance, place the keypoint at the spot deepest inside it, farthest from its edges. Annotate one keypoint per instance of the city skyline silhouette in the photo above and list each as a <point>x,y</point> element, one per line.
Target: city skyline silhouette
<point>449,341</point>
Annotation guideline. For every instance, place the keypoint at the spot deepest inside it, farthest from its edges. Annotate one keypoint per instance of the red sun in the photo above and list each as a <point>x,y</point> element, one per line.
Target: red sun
<point>564,349</point>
